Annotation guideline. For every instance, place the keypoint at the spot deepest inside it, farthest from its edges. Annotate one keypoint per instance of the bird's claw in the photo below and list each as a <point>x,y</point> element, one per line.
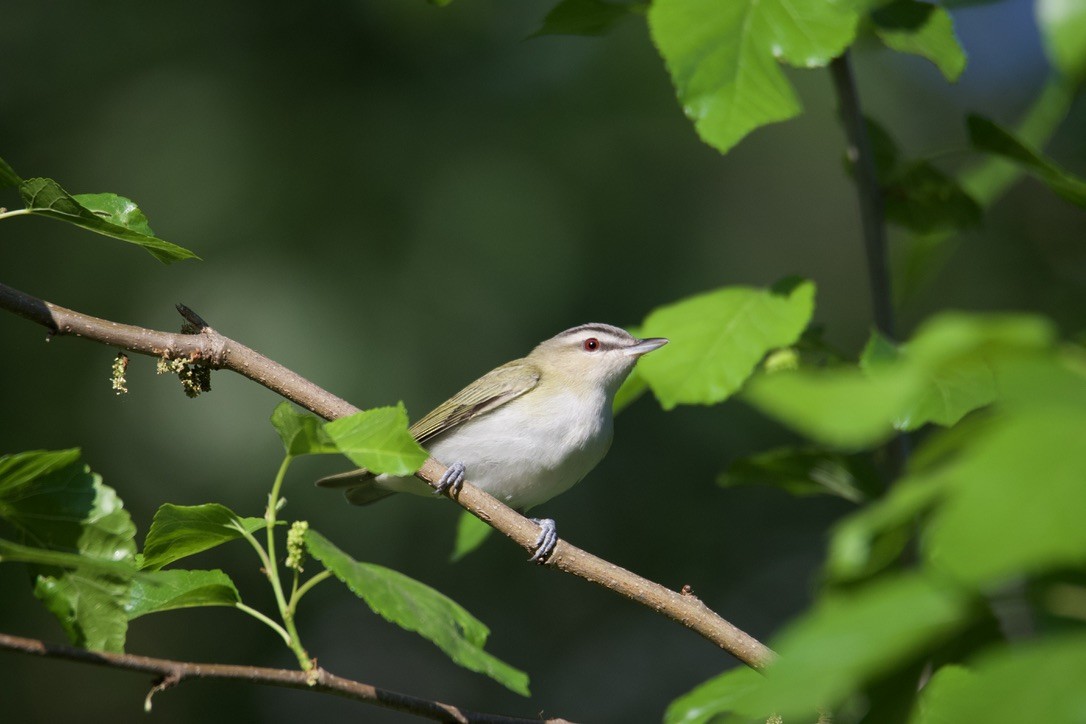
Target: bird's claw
<point>548,538</point>
<point>451,480</point>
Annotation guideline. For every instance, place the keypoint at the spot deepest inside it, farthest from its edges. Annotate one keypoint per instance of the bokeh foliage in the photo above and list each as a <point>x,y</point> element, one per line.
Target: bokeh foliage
<point>961,510</point>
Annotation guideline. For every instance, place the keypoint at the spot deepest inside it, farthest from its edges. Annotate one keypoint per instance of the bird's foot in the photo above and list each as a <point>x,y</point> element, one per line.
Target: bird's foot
<point>451,480</point>
<point>548,537</point>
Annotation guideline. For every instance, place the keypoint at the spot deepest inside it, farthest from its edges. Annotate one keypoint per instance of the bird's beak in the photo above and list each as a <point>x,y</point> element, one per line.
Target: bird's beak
<point>645,346</point>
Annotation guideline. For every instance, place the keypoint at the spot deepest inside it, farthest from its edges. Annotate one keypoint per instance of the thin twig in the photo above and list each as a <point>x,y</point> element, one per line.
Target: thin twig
<point>873,222</point>
<point>872,213</point>
<point>220,352</point>
<point>170,673</point>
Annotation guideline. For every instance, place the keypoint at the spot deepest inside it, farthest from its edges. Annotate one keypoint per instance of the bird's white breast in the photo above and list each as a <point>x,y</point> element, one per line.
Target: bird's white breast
<point>527,451</point>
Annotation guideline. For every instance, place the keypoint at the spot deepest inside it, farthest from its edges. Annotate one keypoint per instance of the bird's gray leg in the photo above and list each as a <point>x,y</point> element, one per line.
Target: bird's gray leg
<point>548,537</point>
<point>451,480</point>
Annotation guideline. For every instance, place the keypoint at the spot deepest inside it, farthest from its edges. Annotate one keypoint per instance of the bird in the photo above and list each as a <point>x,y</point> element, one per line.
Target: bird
<point>524,432</point>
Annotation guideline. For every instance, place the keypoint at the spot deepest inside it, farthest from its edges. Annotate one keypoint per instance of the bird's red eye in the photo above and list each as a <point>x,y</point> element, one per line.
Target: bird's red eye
<point>591,344</point>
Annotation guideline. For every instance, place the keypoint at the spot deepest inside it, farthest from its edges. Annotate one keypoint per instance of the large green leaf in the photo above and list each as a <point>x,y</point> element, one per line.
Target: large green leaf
<point>378,440</point>
<point>909,26</point>
<point>178,531</point>
<point>718,338</point>
<point>301,433</point>
<point>805,471</point>
<point>417,607</point>
<point>154,591</point>
<point>1063,29</point>
<point>988,136</point>
<point>59,505</point>
<point>1036,681</point>
<point>943,373</point>
<point>106,214</point>
<point>850,639</point>
<point>945,684</point>
<point>11,552</point>
<point>842,407</point>
<point>21,469</point>
<point>585,17</point>
<point>724,57</point>
<point>716,696</point>
<point>1017,501</point>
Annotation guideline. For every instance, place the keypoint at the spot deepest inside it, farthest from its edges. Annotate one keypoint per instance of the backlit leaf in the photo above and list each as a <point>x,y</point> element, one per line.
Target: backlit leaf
<point>923,29</point>
<point>417,607</point>
<point>378,440</point>
<point>718,338</point>
<point>178,531</point>
<point>106,214</point>
<point>724,58</point>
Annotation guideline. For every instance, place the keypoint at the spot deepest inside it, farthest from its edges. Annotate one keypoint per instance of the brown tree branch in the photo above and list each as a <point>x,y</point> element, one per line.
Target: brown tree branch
<point>170,673</point>
<point>218,352</point>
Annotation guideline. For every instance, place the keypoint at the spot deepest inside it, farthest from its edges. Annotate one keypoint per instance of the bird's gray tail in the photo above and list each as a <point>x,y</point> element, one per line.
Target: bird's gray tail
<point>359,486</point>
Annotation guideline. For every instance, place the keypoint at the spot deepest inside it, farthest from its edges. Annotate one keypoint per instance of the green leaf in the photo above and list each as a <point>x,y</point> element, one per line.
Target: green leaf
<point>470,534</point>
<point>1017,498</point>
<point>723,57</point>
<point>944,687</point>
<point>944,373</point>
<point>805,471</point>
<point>842,407</point>
<point>716,696</point>
<point>8,177</point>
<point>718,338</point>
<point>417,607</point>
<point>106,214</point>
<point>917,195</point>
<point>378,440</point>
<point>154,591</point>
<point>585,17</point>
<point>988,136</point>
<point>878,351</point>
<point>909,26</point>
<point>59,505</point>
<point>848,640</point>
<point>949,395</point>
<point>21,469</point>
<point>178,531</point>
<point>1063,30</point>
<point>301,433</point>
<point>16,553</point>
<point>923,199</point>
<point>873,538</point>
<point>1037,681</point>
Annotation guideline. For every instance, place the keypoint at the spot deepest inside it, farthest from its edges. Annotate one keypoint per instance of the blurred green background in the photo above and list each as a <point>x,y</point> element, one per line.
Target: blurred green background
<point>391,199</point>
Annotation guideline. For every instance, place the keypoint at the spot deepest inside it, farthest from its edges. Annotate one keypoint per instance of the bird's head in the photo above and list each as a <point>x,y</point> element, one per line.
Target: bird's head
<point>591,356</point>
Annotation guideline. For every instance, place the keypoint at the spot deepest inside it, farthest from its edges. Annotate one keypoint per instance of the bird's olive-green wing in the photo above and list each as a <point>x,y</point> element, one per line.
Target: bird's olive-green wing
<point>487,393</point>
<point>490,391</point>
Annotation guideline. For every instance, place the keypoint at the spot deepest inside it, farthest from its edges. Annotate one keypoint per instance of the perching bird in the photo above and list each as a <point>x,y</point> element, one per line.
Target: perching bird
<point>526,431</point>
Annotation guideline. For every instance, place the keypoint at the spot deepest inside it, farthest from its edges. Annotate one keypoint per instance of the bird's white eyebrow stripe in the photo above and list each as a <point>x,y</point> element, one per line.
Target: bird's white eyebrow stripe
<point>606,333</point>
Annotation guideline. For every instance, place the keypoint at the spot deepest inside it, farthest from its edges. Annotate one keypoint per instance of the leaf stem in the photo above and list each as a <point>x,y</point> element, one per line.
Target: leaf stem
<point>285,611</point>
<point>313,581</point>
<point>269,517</point>
<point>16,212</point>
<point>261,617</point>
